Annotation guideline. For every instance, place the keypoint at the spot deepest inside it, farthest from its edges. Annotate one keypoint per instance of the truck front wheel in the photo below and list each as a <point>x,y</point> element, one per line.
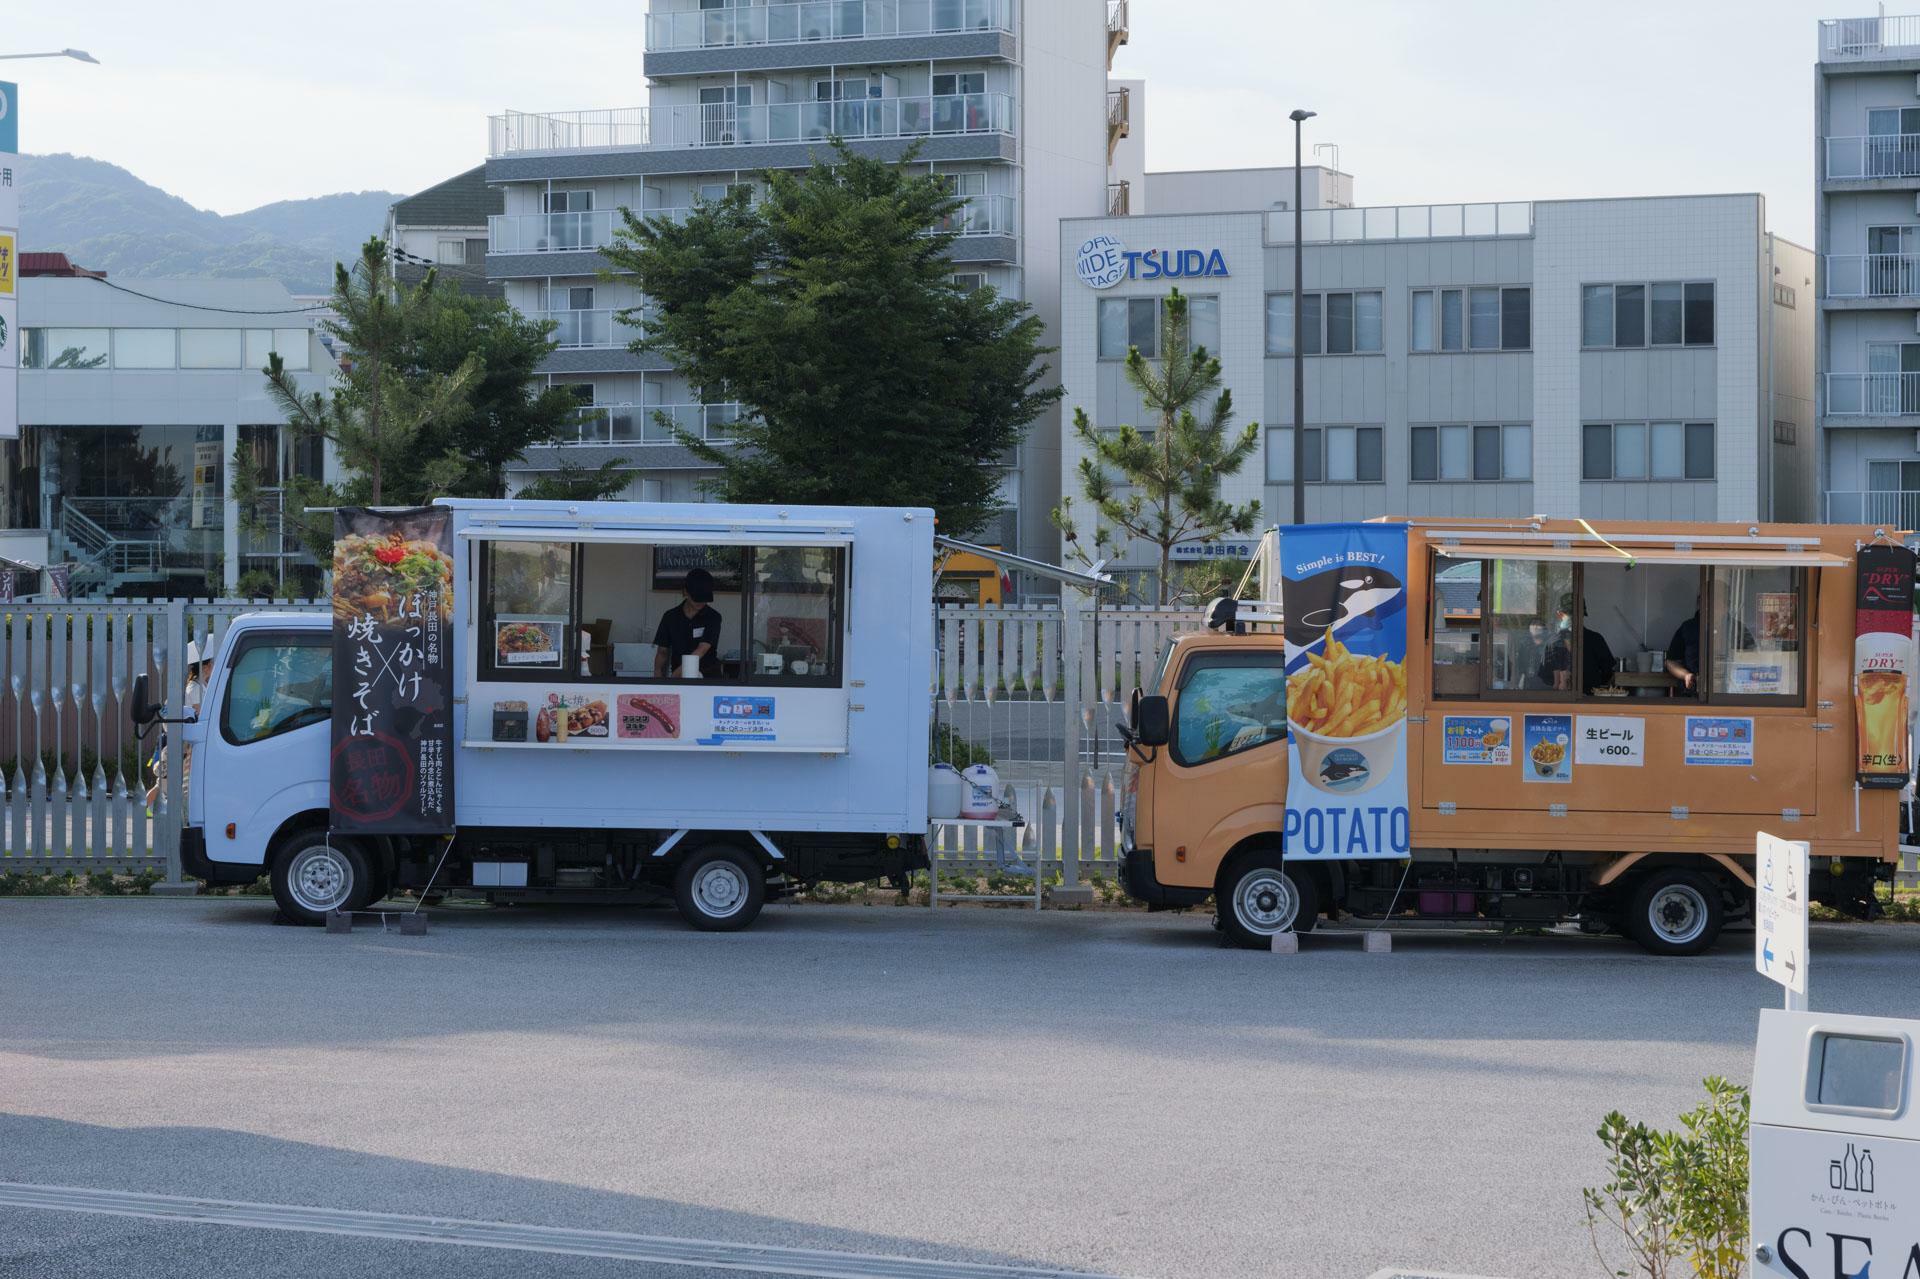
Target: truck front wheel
<point>1676,912</point>
<point>313,874</point>
<point>719,889</point>
<point>1258,897</point>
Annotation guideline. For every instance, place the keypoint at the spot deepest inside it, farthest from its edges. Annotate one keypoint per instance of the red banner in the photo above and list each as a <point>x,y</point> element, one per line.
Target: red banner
<point>1882,659</point>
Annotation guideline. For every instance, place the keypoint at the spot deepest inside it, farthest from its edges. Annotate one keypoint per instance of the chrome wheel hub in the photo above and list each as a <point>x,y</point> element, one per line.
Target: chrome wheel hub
<point>720,889</point>
<point>320,879</point>
<point>1265,901</point>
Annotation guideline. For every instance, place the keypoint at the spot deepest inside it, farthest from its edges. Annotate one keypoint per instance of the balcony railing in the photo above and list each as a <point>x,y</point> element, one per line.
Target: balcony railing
<point>576,330</point>
<point>822,20</point>
<point>642,424</point>
<point>725,124</point>
<point>982,215</point>
<point>1119,198</point>
<point>1892,510</point>
<point>1402,222</point>
<point>1847,39</point>
<point>1882,155</point>
<point>1873,394</point>
<point>1873,275</point>
<point>562,232</point>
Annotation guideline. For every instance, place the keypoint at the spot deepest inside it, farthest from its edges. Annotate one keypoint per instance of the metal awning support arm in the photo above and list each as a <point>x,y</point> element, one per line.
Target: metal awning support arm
<point>1092,583</point>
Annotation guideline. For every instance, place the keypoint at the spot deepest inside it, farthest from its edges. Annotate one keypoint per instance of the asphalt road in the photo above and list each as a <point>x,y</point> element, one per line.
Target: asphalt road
<point>1113,1093</point>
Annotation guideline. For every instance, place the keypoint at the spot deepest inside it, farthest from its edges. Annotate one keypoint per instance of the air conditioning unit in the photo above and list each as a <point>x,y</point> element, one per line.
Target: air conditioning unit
<point>1916,321</point>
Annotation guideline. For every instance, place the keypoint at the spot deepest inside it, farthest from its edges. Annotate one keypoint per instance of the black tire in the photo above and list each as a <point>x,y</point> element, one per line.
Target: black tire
<point>313,874</point>
<point>719,889</point>
<point>1676,912</point>
<point>1258,897</point>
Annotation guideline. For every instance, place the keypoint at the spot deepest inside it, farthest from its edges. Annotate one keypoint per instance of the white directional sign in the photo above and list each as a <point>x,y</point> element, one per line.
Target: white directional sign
<point>1780,911</point>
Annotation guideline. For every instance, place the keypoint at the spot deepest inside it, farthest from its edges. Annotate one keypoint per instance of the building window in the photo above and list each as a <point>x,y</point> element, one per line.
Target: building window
<point>450,252</point>
<point>290,344</point>
<point>1664,313</point>
<point>1785,433</point>
<point>1457,453</point>
<point>969,281</point>
<point>1647,451</point>
<point>1332,323</point>
<point>64,349</point>
<point>211,348</point>
<point>1334,455</point>
<point>1481,319</point>
<point>1783,295</point>
<point>1127,322</point>
<point>143,349</point>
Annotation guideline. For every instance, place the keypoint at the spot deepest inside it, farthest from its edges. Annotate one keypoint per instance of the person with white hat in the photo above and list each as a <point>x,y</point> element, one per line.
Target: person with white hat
<point>195,691</point>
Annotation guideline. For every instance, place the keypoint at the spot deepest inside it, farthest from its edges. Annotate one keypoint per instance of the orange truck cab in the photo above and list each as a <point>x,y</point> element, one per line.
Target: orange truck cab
<point>1599,721</point>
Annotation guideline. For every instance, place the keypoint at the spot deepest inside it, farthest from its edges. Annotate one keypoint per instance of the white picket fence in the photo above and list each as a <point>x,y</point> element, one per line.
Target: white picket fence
<point>1041,690</point>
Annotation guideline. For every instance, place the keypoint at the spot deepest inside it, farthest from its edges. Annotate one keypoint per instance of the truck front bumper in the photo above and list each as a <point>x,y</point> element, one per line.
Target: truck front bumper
<point>1136,876</point>
<point>195,862</point>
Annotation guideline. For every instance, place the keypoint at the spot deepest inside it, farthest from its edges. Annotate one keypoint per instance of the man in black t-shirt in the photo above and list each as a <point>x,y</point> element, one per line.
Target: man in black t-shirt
<point>689,628</point>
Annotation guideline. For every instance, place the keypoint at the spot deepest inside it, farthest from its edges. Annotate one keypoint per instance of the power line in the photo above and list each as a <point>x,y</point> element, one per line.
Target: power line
<point>195,306</point>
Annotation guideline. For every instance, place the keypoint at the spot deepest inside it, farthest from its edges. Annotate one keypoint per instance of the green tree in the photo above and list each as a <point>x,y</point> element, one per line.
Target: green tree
<point>573,483</point>
<point>1168,490</point>
<point>507,410</point>
<point>828,310</point>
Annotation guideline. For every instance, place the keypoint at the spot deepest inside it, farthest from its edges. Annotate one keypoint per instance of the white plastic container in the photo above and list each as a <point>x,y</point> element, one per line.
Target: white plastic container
<point>945,790</point>
<point>981,801</point>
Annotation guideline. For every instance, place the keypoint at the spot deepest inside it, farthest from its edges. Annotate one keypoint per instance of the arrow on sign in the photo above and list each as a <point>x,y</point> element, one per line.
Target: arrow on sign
<point>1790,967</point>
<point>1766,953</point>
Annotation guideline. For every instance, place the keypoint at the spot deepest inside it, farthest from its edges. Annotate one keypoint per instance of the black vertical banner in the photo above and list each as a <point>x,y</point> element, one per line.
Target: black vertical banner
<point>392,770</point>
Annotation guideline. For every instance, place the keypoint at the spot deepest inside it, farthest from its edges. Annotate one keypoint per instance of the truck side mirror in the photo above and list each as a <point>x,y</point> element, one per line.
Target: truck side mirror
<point>1152,721</point>
<point>144,712</point>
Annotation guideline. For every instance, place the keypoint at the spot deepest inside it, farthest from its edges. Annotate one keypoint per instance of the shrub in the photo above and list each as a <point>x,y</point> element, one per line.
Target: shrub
<point>1676,1200</point>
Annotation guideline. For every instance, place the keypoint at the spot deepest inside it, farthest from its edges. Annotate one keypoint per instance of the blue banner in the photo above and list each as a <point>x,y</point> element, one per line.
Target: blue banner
<point>1343,590</point>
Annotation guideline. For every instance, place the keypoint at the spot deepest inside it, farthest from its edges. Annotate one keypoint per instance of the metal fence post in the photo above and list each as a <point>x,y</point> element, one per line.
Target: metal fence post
<point>1073,636</point>
<point>171,814</point>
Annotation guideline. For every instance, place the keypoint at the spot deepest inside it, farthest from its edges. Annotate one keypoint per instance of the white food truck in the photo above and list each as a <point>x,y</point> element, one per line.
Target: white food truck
<point>581,771</point>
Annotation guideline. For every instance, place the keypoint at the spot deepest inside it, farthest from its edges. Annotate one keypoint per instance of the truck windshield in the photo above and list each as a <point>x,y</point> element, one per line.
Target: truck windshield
<point>278,684</point>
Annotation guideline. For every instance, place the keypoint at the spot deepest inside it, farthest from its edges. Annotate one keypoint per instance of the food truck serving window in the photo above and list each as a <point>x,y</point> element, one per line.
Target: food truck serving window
<point>1573,625</point>
<point>632,612</point>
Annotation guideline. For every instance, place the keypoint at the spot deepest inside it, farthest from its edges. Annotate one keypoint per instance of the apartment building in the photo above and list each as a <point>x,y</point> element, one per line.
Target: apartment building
<point>1867,231</point>
<point>1009,99</point>
<point>444,229</point>
<point>1620,359</point>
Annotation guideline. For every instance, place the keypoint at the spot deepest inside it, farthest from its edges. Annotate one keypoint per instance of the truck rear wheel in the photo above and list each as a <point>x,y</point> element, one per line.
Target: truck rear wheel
<point>313,874</point>
<point>1676,912</point>
<point>719,889</point>
<point>1258,897</point>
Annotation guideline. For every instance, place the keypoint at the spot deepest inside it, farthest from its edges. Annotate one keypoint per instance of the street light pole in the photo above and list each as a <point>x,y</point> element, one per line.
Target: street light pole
<point>1299,117</point>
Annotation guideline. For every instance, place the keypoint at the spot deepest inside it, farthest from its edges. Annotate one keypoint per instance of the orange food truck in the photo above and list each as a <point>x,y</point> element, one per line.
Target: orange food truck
<point>1529,722</point>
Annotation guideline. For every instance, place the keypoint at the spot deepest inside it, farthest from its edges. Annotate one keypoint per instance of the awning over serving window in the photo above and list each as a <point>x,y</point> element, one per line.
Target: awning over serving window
<point>784,534</point>
<point>1721,556</point>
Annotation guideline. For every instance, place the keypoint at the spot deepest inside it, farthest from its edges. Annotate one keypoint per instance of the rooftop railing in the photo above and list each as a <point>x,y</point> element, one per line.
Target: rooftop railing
<point>1402,222</point>
<point>818,20</point>
<point>725,124</point>
<point>1851,39</point>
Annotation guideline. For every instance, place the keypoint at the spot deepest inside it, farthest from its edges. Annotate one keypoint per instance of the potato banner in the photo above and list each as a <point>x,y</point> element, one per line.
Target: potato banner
<point>1344,594</point>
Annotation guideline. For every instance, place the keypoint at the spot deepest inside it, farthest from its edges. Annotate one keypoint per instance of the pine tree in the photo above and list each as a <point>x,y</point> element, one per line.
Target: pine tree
<point>1168,490</point>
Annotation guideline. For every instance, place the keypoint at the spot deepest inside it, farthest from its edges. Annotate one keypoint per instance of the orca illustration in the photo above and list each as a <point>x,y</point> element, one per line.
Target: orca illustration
<point>1349,595</point>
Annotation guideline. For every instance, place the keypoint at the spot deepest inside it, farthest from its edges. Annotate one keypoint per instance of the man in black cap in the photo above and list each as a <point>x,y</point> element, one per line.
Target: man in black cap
<point>690,628</point>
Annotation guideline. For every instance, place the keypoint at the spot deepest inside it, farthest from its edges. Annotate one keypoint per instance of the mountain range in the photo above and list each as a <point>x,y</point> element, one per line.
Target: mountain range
<point>106,219</point>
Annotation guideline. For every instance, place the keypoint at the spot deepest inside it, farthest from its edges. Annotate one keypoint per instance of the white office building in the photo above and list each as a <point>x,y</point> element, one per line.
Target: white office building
<point>1009,99</point>
<point>134,397</point>
<point>1867,231</point>
<point>1617,358</point>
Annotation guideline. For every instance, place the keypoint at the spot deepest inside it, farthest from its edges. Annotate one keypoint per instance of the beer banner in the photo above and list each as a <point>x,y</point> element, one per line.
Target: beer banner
<point>1882,657</point>
<point>1342,591</point>
<point>392,761</point>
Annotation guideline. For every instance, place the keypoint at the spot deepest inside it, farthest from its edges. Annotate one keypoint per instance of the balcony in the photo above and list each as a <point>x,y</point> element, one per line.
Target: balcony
<point>641,424</point>
<point>822,20</point>
<point>730,125</point>
<point>1117,32</point>
<point>1873,275</point>
<point>562,232</point>
<point>588,330</point>
<point>1119,118</point>
<point>1878,395</point>
<point>1889,510</point>
<point>982,215</point>
<point>1883,155</point>
<point>1867,39</point>
<point>1119,198</point>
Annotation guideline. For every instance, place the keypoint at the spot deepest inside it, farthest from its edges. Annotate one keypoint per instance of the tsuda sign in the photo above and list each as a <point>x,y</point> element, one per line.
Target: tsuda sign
<point>1104,261</point>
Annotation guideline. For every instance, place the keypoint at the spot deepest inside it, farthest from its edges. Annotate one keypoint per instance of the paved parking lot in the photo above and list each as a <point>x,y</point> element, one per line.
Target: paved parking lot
<point>1112,1093</point>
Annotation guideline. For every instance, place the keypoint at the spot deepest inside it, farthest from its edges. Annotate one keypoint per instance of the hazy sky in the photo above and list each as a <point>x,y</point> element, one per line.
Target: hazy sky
<point>232,105</point>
